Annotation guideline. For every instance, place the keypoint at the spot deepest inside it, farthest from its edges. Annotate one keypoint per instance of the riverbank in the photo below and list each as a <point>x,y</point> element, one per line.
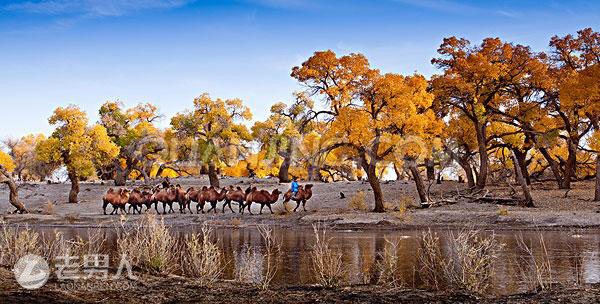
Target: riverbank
<point>555,209</point>
<point>150,289</point>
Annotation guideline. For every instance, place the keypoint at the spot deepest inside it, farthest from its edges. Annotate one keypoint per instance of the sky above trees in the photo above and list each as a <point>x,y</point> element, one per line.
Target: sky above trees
<point>60,52</point>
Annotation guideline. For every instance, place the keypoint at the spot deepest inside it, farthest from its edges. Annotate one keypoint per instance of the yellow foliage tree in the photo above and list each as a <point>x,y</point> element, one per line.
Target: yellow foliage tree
<point>82,149</point>
<point>7,166</point>
<point>216,128</point>
<point>373,115</point>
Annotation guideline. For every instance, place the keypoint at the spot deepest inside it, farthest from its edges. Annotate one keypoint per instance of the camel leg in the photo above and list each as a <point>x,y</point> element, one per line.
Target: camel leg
<point>189,205</point>
<point>304,205</point>
<point>171,208</point>
<point>261,208</point>
<point>104,204</point>
<point>297,205</point>
<point>114,210</point>
<point>229,204</point>
<point>123,208</point>
<point>269,205</point>
<point>164,208</point>
<point>156,207</point>
<point>225,204</point>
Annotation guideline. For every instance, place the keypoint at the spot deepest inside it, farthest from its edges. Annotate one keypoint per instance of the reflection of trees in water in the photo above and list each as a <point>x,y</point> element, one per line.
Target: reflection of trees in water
<point>572,259</point>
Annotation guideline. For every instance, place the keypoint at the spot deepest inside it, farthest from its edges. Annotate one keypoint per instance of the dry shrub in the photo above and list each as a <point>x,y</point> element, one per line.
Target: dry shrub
<point>272,253</point>
<point>150,246</point>
<point>473,266</point>
<point>469,264</point>
<point>502,211</point>
<point>432,263</point>
<point>72,218</point>
<point>236,222</point>
<point>284,209</point>
<point>358,202</point>
<point>327,262</point>
<point>48,208</point>
<point>535,269</point>
<point>248,263</point>
<point>16,242</point>
<point>387,265</point>
<point>202,258</point>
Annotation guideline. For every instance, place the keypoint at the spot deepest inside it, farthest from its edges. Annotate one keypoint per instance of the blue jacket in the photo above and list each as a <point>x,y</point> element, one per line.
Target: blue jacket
<point>295,186</point>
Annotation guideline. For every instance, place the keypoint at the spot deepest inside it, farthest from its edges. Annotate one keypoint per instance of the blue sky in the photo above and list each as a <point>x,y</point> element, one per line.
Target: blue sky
<point>60,52</point>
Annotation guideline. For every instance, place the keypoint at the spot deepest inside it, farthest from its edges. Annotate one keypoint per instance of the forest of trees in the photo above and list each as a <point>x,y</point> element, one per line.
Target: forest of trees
<point>495,112</point>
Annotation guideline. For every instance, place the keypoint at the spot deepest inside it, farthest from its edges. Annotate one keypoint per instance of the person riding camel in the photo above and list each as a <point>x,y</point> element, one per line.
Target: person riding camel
<point>295,186</point>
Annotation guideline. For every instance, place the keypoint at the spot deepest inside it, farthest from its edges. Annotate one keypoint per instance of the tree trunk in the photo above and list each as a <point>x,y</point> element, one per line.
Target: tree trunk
<point>74,188</point>
<point>483,157</point>
<point>522,158</point>
<point>553,166</point>
<point>398,173</point>
<point>284,176</point>
<point>121,176</point>
<point>571,165</point>
<point>13,196</point>
<point>412,166</point>
<point>468,173</point>
<point>212,175</point>
<point>528,200</point>
<point>376,186</point>
<point>597,193</point>
<point>430,166</point>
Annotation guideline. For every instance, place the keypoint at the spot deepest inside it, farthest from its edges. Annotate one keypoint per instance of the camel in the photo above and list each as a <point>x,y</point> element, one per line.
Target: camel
<point>303,195</point>
<point>118,200</point>
<point>182,198</point>
<point>166,196</point>
<point>136,199</point>
<point>213,196</point>
<point>236,195</point>
<point>197,196</point>
<point>262,197</point>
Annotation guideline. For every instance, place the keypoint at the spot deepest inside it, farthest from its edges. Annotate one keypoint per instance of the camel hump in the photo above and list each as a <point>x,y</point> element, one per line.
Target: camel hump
<point>308,186</point>
<point>239,188</point>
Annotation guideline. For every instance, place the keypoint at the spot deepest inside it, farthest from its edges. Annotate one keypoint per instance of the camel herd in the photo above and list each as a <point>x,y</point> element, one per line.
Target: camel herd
<point>124,200</point>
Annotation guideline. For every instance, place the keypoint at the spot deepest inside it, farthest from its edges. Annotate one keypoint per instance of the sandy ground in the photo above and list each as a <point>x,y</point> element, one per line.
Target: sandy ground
<point>553,210</point>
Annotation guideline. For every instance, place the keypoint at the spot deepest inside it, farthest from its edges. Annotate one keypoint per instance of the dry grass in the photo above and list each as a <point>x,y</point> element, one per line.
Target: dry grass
<point>327,262</point>
<point>387,265</point>
<point>502,211</point>
<point>272,253</point>
<point>358,202</point>
<point>468,264</point>
<point>16,242</point>
<point>150,246</point>
<point>535,269</point>
<point>432,263</point>
<point>249,266</point>
<point>201,258</point>
<point>48,208</point>
<point>473,266</point>
<point>236,222</point>
<point>284,209</point>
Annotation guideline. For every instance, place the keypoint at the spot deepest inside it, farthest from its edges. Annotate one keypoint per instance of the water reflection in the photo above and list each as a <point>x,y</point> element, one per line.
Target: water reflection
<point>571,260</point>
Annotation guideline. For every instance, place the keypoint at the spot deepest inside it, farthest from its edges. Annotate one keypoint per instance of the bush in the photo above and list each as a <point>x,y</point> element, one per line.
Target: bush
<point>327,263</point>
<point>202,258</point>
<point>358,202</point>
<point>150,246</point>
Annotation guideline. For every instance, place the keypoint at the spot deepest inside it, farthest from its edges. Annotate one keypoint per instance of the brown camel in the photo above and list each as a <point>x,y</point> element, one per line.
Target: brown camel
<point>182,198</point>
<point>138,198</point>
<point>166,196</point>
<point>262,197</point>
<point>236,195</point>
<point>303,195</point>
<point>198,196</point>
<point>213,196</point>
<point>118,200</point>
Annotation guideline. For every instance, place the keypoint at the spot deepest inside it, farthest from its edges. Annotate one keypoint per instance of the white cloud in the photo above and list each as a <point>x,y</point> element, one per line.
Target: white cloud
<point>92,8</point>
